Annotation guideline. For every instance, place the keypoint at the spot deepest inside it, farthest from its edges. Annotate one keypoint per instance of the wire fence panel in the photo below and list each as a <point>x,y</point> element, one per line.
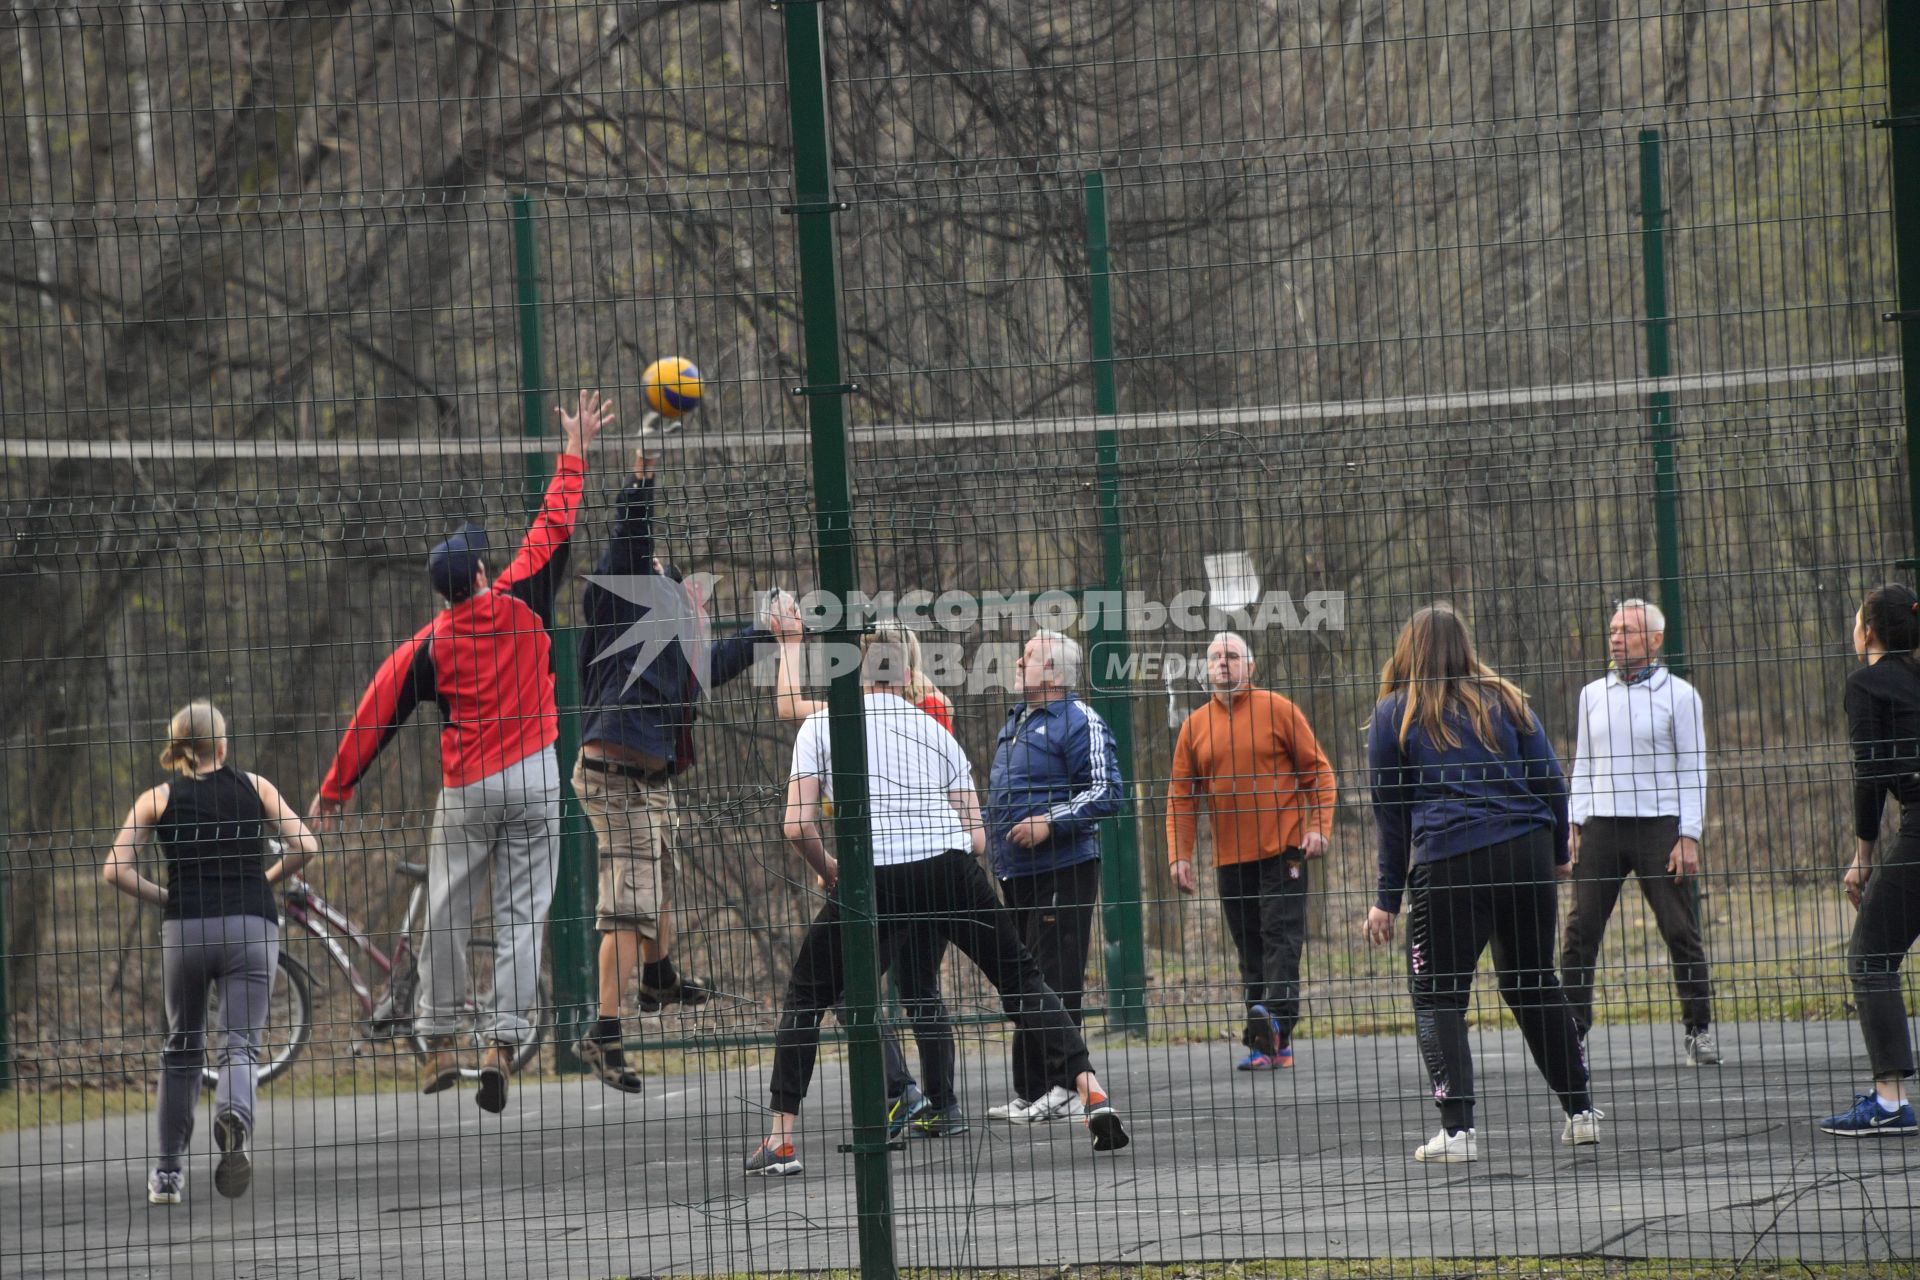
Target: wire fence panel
<point>1185,356</point>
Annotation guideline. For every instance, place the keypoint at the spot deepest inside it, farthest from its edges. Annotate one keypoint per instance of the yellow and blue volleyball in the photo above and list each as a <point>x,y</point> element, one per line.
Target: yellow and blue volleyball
<point>672,386</point>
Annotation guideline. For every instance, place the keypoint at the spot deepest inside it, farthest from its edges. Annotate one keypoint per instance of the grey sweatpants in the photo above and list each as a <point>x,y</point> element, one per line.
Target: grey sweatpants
<point>507,823</point>
<point>239,953</point>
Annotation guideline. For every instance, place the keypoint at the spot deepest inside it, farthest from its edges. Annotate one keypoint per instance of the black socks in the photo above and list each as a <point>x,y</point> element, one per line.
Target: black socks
<point>659,975</point>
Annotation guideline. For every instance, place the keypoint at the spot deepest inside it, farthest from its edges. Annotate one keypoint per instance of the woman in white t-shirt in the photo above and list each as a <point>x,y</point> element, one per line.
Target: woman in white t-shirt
<point>927,839</point>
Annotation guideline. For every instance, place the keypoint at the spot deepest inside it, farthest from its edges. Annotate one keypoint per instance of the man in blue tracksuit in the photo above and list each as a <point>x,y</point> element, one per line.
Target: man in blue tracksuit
<point>638,737</point>
<point>1055,776</point>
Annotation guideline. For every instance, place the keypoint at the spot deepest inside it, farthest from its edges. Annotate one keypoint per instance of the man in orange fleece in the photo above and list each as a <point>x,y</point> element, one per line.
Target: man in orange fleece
<point>1271,793</point>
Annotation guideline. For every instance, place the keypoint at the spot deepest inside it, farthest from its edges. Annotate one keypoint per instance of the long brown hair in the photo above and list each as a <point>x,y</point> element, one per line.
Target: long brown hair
<point>1434,665</point>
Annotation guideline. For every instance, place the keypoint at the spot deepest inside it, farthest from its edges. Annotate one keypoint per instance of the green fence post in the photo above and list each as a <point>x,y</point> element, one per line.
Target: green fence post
<point>1903,146</point>
<point>1122,920</point>
<point>1666,519</point>
<point>813,210</point>
<point>570,941</point>
<point>6,968</point>
<point>1666,481</point>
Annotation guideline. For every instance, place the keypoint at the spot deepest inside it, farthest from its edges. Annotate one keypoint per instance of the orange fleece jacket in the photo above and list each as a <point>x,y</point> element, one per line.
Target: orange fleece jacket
<point>1265,779</point>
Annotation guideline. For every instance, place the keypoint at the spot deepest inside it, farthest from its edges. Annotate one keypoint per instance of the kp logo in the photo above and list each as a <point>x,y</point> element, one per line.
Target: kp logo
<point>672,613</point>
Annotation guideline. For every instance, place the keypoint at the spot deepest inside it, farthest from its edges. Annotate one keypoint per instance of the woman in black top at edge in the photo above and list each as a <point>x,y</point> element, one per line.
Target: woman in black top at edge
<point>1883,729</point>
<point>221,926</point>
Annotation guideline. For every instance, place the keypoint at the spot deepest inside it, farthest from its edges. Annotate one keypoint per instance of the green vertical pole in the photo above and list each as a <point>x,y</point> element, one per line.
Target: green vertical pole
<point>6,968</point>
<point>813,210</point>
<point>1666,519</point>
<point>1903,144</point>
<point>574,996</point>
<point>1122,921</point>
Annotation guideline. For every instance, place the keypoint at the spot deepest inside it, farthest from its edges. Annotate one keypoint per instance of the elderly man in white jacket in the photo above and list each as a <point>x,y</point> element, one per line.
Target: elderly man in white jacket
<point>1639,789</point>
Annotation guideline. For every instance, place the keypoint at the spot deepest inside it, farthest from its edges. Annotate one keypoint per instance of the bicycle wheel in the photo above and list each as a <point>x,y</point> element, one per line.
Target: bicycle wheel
<point>289,1024</point>
<point>480,953</point>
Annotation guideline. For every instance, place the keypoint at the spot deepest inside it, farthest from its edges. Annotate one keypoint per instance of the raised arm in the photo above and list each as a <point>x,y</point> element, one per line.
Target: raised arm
<point>535,571</point>
<point>629,549</point>
<point>122,869</point>
<point>783,615</point>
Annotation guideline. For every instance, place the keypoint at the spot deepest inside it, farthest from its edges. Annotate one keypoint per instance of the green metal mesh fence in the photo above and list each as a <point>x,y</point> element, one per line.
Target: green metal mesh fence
<point>1135,320</point>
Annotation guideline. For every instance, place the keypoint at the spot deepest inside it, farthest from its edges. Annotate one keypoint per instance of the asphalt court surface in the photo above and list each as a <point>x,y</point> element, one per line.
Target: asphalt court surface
<point>1718,1163</point>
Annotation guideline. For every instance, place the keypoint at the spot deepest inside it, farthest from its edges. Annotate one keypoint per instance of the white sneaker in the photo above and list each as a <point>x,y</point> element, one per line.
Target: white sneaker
<point>1014,1112</point>
<point>1583,1128</point>
<point>1059,1104</point>
<point>1448,1148</point>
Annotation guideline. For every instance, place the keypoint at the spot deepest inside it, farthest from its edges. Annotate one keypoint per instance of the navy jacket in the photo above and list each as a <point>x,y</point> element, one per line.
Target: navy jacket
<point>1053,758</point>
<point>657,713</point>
<point>1431,802</point>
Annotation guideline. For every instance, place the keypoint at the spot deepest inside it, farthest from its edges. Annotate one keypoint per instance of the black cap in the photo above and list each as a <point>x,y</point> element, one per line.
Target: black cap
<point>453,563</point>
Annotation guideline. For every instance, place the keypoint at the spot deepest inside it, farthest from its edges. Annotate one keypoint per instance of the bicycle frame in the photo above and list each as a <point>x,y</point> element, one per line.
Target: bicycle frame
<point>337,932</point>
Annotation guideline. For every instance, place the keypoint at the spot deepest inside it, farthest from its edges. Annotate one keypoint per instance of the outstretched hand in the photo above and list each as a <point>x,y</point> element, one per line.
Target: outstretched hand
<point>594,414</point>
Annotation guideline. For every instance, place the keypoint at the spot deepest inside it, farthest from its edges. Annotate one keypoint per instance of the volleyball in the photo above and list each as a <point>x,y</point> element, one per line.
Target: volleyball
<point>672,386</point>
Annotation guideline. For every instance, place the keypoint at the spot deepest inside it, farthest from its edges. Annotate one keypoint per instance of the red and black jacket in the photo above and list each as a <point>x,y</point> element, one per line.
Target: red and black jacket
<point>488,662</point>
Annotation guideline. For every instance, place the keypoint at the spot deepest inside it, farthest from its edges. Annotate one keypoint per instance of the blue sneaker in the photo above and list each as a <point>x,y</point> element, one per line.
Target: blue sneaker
<point>1869,1119</point>
<point>905,1109</point>
<point>1255,1061</point>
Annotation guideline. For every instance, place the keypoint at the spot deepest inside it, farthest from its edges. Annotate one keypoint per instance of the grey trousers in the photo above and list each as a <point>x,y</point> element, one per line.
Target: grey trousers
<point>239,953</point>
<point>507,825</point>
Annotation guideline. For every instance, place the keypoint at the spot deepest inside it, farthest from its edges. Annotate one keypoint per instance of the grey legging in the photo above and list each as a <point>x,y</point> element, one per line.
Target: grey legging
<point>239,953</point>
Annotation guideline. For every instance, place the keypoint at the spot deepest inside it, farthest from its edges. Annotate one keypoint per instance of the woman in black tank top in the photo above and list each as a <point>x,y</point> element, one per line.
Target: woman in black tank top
<point>1883,729</point>
<point>220,926</point>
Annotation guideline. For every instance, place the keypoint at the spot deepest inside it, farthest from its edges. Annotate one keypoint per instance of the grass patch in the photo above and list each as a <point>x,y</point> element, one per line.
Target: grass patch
<point>33,1108</point>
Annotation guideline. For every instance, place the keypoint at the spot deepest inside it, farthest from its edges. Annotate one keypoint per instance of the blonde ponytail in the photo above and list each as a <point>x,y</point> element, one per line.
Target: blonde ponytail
<point>194,736</point>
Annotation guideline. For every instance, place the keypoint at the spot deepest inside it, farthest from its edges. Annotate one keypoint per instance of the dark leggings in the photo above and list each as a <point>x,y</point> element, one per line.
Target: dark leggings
<point>1886,927</point>
<point>1054,913</point>
<point>1503,894</point>
<point>947,897</point>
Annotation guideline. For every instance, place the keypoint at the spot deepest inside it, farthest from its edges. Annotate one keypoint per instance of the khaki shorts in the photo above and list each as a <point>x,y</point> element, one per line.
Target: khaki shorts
<point>634,824</point>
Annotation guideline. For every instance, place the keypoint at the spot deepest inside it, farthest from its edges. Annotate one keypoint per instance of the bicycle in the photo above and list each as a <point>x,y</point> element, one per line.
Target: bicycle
<point>386,1014</point>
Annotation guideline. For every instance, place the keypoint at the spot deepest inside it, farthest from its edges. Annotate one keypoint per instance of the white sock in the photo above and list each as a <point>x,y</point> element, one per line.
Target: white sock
<point>1888,1107</point>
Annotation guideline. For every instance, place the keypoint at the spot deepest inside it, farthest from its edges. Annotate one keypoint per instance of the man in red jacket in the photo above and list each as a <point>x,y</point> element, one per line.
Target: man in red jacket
<point>487,660</point>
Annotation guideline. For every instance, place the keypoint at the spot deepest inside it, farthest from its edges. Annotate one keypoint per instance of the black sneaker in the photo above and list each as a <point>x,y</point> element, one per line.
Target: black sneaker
<point>1104,1123</point>
<point>940,1122</point>
<point>690,992</point>
<point>234,1174</point>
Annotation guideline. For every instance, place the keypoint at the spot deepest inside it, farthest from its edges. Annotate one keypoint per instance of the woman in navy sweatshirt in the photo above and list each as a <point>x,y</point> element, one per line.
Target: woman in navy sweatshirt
<point>1466,789</point>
